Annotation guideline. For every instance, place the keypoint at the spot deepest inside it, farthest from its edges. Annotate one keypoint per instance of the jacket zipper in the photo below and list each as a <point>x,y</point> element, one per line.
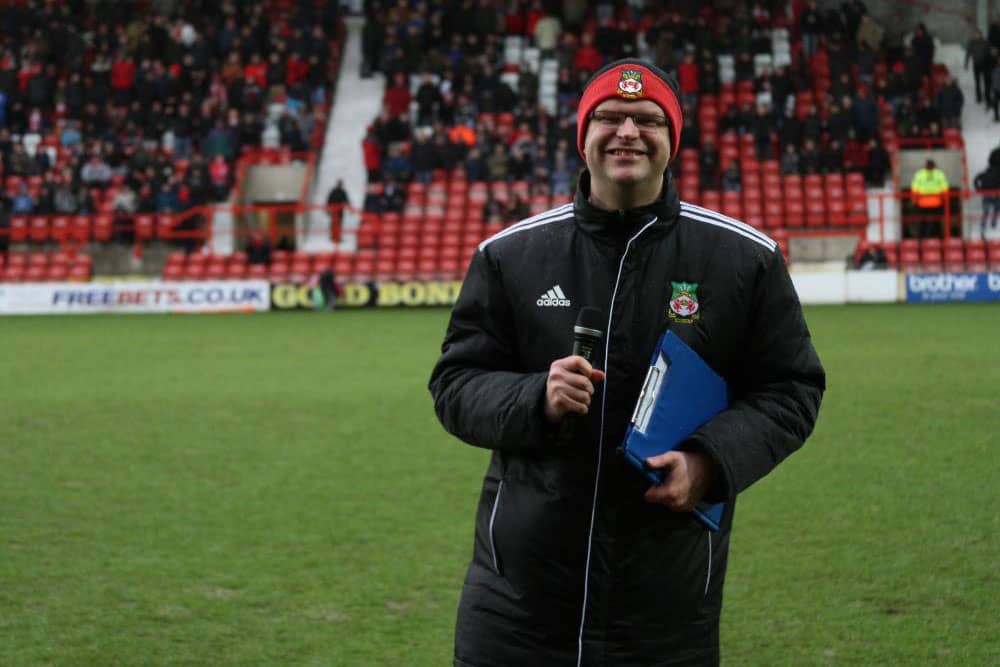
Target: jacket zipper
<point>600,443</point>
<point>708,574</point>
<point>493,516</point>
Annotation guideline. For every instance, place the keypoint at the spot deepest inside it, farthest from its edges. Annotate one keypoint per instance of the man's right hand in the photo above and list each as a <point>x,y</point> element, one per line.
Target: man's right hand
<point>569,387</point>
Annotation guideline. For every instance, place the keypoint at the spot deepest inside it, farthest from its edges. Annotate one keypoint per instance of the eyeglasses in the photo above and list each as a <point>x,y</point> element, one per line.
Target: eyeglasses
<point>616,118</point>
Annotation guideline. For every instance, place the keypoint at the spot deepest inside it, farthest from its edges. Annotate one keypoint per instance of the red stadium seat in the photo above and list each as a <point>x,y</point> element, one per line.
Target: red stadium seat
<point>236,271</point>
<point>14,273</point>
<point>774,213</point>
<point>80,228</point>
<point>975,259</point>
<point>145,226</point>
<point>103,227</point>
<point>256,272</point>
<point>59,228</point>
<point>732,204</point>
<point>79,273</point>
<point>173,272</point>
<point>35,273</point>
<point>711,199</point>
<point>931,260</point>
<point>195,271</point>
<point>909,260</point>
<point>891,251</point>
<point>954,260</point>
<point>215,271</point>
<point>38,229</point>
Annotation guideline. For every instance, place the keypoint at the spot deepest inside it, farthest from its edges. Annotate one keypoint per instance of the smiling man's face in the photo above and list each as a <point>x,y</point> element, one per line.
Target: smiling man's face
<point>626,161</point>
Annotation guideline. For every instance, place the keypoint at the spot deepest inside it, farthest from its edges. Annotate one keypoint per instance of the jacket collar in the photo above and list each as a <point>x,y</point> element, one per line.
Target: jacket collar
<point>616,224</point>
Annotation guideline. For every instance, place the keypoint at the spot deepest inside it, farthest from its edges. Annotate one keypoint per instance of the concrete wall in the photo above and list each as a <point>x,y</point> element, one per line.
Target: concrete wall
<point>274,183</point>
<point>947,20</point>
<point>950,162</point>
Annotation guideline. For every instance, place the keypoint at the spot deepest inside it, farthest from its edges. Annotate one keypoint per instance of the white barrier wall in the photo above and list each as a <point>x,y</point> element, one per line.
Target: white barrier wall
<point>834,287</point>
<point>134,297</point>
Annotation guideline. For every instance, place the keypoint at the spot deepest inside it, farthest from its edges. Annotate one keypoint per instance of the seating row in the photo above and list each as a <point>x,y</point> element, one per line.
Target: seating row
<point>84,228</point>
<point>936,254</point>
<point>445,262</point>
<point>45,267</point>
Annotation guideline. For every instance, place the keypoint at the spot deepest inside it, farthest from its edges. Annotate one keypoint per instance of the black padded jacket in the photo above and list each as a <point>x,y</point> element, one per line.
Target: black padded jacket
<point>570,565</point>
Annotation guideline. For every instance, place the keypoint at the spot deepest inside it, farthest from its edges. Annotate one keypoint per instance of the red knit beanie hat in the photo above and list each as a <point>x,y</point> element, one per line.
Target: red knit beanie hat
<point>631,79</point>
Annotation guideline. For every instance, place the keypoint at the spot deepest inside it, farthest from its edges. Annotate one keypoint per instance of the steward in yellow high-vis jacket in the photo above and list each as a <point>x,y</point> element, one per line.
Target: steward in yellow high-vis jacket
<point>929,189</point>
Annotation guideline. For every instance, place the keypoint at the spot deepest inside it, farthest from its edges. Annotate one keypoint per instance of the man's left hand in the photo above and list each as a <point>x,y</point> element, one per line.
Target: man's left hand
<point>688,475</point>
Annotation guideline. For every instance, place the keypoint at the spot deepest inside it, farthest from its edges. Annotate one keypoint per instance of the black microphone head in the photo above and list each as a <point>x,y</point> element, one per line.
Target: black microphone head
<point>590,322</point>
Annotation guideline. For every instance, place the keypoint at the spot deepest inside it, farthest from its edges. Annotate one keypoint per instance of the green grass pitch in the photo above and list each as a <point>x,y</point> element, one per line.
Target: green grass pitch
<point>275,490</point>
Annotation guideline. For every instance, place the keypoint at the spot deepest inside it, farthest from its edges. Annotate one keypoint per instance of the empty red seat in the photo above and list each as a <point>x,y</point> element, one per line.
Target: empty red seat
<point>891,251</point>
<point>80,228</point>
<point>215,271</point>
<point>732,205</point>
<point>385,269</point>
<point>975,259</point>
<point>35,273</point>
<point>931,259</point>
<point>38,229</point>
<point>774,213</point>
<point>954,260</point>
<point>836,209</point>
<point>165,224</point>
<point>14,273</point>
<point>909,260</point>
<point>173,272</point>
<point>711,199</point>
<point>256,272</point>
<point>795,213</point>
<point>145,226</point>
<point>236,270</point>
<point>79,273</point>
<point>103,227</point>
<point>194,271</point>
<point>60,229</point>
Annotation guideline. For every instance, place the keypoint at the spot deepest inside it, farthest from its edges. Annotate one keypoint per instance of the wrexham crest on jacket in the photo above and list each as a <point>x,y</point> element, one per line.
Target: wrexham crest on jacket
<point>684,305</point>
<point>630,85</point>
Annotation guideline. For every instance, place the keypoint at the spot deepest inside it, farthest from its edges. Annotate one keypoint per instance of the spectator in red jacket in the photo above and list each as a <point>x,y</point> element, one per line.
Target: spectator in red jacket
<point>373,155</point>
<point>256,69</point>
<point>122,77</point>
<point>297,69</point>
<point>397,96</point>
<point>687,77</point>
<point>219,172</point>
<point>587,57</point>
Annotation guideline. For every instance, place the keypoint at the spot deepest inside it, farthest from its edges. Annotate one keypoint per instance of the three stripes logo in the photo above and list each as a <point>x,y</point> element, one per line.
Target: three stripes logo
<point>554,297</point>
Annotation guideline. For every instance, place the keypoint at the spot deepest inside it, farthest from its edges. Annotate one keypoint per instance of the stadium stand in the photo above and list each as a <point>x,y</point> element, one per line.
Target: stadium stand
<point>477,129</point>
<point>117,120</point>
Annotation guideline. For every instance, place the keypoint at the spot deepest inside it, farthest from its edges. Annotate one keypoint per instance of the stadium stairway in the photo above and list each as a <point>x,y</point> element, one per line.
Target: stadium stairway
<point>356,103</point>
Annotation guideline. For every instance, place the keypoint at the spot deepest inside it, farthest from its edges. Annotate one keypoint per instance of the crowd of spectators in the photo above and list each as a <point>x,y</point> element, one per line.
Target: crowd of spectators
<point>106,108</point>
<point>466,116</point>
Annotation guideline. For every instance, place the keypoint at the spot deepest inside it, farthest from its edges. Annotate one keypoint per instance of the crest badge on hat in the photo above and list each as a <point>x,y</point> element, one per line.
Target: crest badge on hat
<point>630,85</point>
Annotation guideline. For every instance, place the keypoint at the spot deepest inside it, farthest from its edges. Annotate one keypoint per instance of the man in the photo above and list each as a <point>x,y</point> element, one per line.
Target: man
<point>929,190</point>
<point>977,51</point>
<point>988,182</point>
<point>337,200</point>
<point>576,560</point>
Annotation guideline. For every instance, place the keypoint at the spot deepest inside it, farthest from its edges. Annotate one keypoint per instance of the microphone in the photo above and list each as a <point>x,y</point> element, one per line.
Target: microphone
<point>587,333</point>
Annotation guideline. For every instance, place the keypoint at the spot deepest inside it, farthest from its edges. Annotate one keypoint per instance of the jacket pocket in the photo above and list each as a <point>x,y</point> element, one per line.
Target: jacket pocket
<point>494,559</point>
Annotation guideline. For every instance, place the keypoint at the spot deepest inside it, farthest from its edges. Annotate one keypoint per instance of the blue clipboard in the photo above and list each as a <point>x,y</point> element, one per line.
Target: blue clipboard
<point>681,393</point>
